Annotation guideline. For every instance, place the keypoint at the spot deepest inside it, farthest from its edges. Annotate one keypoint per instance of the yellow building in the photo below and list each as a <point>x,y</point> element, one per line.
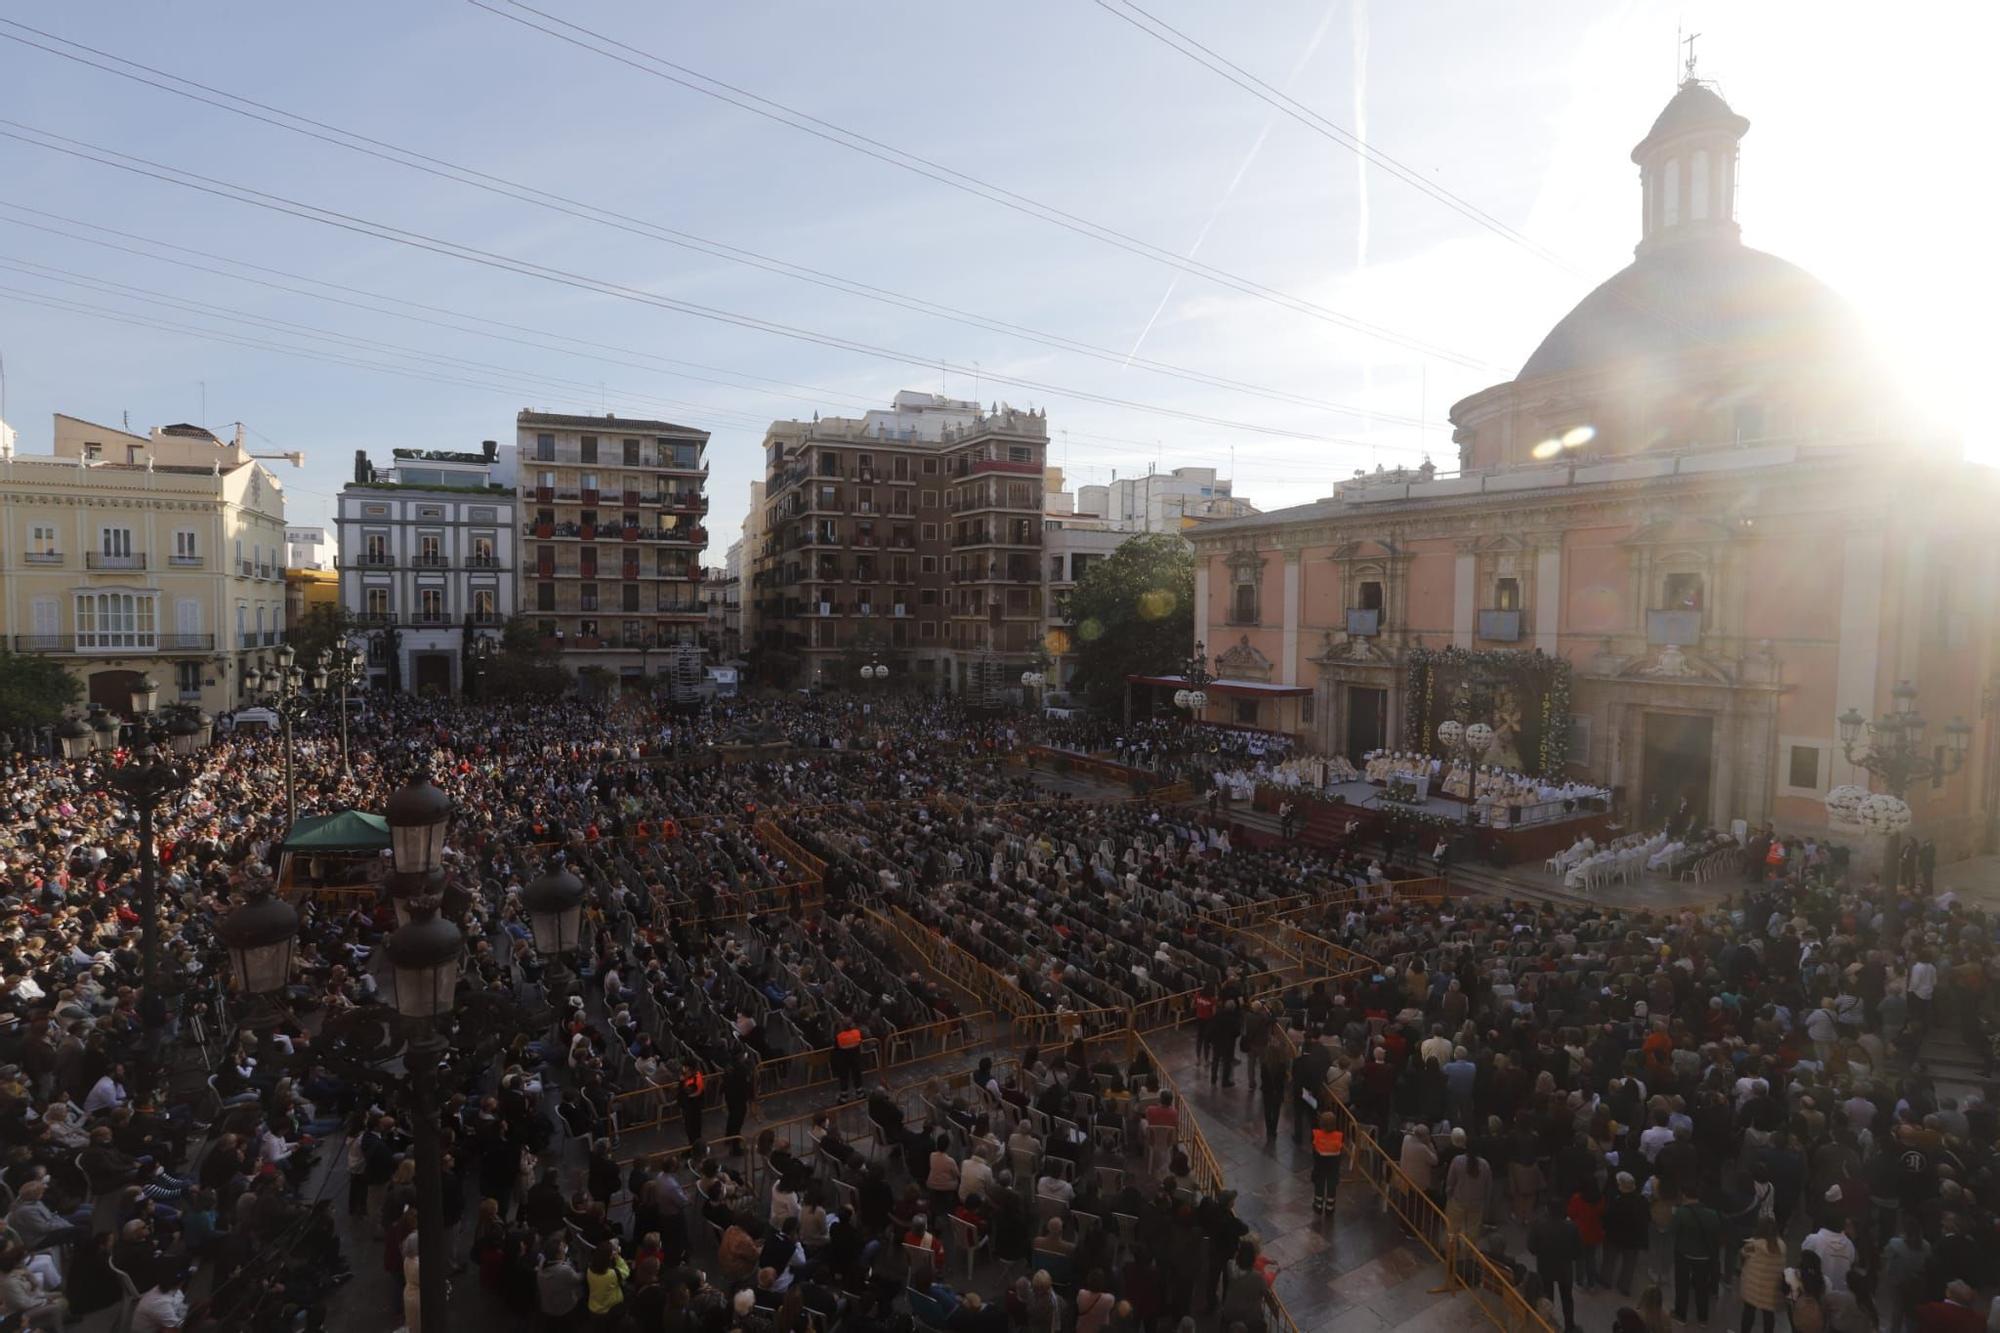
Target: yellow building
<point>309,588</point>
<point>124,555</point>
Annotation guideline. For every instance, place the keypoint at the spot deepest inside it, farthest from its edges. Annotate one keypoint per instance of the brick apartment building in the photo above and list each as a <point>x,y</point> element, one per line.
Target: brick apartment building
<point>613,516</point>
<point>912,536</point>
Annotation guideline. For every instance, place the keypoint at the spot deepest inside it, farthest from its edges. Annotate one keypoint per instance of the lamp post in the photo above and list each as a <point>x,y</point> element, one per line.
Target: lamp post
<point>1894,751</point>
<point>341,666</point>
<point>281,688</point>
<point>554,902</point>
<point>259,935</point>
<point>874,670</point>
<point>154,770</point>
<point>1031,682</point>
<point>425,953</point>
<point>1196,675</point>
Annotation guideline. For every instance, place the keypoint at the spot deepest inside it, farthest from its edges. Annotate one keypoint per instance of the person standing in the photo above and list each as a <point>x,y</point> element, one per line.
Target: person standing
<point>1552,1241</point>
<point>1468,1184</point>
<point>1329,1146</point>
<point>1762,1282</point>
<point>693,1091</point>
<point>1626,1217</point>
<point>1226,1030</point>
<point>739,1089</point>
<point>1697,1241</point>
<point>1272,1066</point>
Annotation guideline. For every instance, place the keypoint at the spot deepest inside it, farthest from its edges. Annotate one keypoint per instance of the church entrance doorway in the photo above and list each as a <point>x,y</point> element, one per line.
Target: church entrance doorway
<point>433,672</point>
<point>1675,776</point>
<point>1367,721</point>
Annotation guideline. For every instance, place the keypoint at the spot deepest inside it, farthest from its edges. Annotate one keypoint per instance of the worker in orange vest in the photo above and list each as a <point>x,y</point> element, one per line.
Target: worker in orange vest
<point>847,1058</point>
<point>694,1090</point>
<point>1329,1144</point>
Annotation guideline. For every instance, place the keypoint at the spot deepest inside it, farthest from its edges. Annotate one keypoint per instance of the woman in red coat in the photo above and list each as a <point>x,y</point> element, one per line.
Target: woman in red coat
<point>1586,1210</point>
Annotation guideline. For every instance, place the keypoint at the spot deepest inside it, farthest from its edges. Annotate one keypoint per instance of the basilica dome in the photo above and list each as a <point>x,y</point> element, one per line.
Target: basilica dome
<point>1714,294</point>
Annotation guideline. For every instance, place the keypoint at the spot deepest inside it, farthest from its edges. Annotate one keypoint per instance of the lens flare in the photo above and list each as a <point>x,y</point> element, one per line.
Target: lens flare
<point>1090,630</point>
<point>1157,604</point>
<point>1577,436</point>
<point>1546,450</point>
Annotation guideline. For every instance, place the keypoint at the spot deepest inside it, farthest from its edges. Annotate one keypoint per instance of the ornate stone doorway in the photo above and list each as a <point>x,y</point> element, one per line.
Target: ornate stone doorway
<point>1367,721</point>
<point>1674,774</point>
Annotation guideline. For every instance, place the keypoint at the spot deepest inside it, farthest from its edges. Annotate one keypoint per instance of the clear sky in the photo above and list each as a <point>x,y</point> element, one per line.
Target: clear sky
<point>1861,164</point>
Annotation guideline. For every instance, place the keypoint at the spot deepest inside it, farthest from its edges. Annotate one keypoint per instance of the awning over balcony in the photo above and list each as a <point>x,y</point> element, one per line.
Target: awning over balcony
<point>1259,689</point>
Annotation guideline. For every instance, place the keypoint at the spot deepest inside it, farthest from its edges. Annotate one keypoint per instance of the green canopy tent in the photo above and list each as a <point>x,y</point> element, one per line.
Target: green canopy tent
<point>340,850</point>
<point>347,831</point>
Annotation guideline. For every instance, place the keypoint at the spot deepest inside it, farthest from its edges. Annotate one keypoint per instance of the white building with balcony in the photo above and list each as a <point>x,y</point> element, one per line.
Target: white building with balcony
<point>428,561</point>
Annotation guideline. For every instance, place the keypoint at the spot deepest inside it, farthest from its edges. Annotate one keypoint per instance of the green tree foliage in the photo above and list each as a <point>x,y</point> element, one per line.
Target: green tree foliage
<point>33,691</point>
<point>322,627</point>
<point>526,668</point>
<point>1132,614</point>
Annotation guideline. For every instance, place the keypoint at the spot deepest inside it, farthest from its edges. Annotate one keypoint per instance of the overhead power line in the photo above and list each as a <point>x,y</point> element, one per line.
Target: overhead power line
<point>146,167</point>
<point>1162,31</point>
<point>574,34</point>
<point>601,215</point>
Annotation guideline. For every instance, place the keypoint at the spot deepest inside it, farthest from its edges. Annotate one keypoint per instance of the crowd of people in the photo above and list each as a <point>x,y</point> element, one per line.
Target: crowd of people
<point>1669,1105</point>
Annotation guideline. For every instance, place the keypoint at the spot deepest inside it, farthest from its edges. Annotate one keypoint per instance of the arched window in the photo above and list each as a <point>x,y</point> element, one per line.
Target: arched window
<point>1670,189</point>
<point>1698,187</point>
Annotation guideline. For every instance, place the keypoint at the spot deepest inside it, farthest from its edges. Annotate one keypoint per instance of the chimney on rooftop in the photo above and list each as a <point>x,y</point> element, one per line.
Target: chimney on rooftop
<point>363,473</point>
<point>490,448</point>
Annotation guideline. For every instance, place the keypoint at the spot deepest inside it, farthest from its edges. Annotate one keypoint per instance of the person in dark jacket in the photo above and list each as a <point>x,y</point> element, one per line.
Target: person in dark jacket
<point>1225,1030</point>
<point>1627,1217</point>
<point>1553,1241</point>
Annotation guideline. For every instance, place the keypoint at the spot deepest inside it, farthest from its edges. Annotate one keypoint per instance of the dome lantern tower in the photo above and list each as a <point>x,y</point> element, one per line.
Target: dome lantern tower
<point>1687,169</point>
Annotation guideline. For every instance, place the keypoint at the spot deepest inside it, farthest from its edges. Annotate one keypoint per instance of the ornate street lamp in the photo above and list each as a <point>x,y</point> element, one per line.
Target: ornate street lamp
<point>417,816</point>
<point>105,727</point>
<point>281,689</point>
<point>259,936</point>
<point>145,696</point>
<point>1196,674</point>
<point>77,736</point>
<point>1894,751</point>
<point>342,667</point>
<point>554,903</point>
<point>425,953</point>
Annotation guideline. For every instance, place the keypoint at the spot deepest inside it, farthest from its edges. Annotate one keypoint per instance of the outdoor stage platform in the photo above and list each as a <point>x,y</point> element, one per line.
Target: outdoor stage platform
<point>1323,821</point>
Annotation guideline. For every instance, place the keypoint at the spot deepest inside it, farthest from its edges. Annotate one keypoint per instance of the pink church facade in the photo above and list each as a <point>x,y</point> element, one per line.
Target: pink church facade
<point>1699,497</point>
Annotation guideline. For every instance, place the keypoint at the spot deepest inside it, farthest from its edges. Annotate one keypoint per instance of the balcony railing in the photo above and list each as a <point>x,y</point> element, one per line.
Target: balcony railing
<point>1500,626</point>
<point>431,561</point>
<point>482,562</point>
<point>1681,628</point>
<point>44,557</point>
<point>365,558</point>
<point>119,642</point>
<point>1364,624</point>
<point>267,571</point>
<point>108,560</point>
<point>44,643</point>
<point>185,561</point>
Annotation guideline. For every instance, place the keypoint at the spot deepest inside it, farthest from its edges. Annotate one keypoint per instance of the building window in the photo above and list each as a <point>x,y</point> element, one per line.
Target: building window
<point>430,604</point>
<point>1803,766</point>
<point>545,448</point>
<point>927,629</point>
<point>184,548</point>
<point>587,449</point>
<point>42,542</point>
<point>483,604</point>
<point>1507,594</point>
<point>374,548</point>
<point>1371,596</point>
<point>930,469</point>
<point>586,596</point>
<point>367,511</point>
<point>1243,607</point>
<point>482,550</point>
<point>187,679</point>
<point>545,596</point>
<point>430,548</point>
<point>115,620</point>
<point>375,601</point>
<point>629,596</point>
<point>1698,186</point>
<point>1305,710</point>
<point>928,532</point>
<point>1020,453</point>
<point>1683,592</point>
<point>1670,213</point>
<point>115,542</point>
<point>1246,712</point>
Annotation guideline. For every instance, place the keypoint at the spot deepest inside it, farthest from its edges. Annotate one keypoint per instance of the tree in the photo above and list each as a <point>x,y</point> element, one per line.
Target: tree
<point>1132,614</point>
<point>33,691</point>
<point>324,626</point>
<point>526,667</point>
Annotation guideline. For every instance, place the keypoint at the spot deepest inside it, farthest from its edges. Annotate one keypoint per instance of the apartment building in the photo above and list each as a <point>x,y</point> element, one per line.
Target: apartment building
<point>912,533</point>
<point>1162,501</point>
<point>157,555</point>
<point>1073,542</point>
<point>613,516</point>
<point>427,558</point>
